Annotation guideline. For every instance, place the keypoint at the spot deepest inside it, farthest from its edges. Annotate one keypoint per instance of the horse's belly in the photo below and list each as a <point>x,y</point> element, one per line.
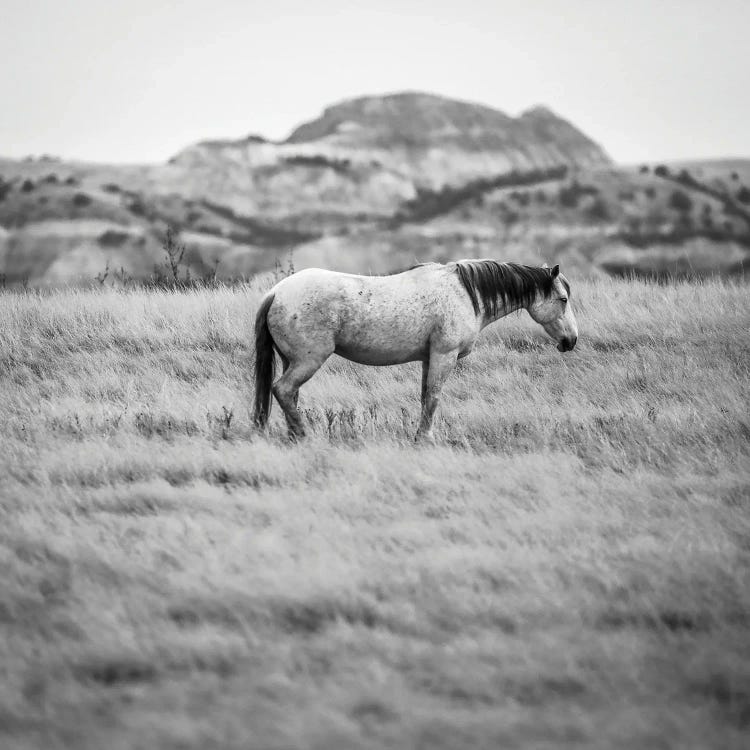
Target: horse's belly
<point>381,355</point>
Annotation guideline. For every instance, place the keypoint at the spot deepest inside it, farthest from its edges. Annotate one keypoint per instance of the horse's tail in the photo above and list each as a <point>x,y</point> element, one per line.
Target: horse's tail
<point>265,363</point>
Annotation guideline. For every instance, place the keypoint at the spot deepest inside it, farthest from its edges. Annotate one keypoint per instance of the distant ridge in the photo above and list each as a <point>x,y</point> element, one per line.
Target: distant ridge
<point>372,184</point>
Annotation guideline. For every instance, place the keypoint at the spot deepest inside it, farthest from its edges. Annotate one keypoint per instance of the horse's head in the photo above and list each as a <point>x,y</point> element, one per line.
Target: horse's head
<point>553,312</point>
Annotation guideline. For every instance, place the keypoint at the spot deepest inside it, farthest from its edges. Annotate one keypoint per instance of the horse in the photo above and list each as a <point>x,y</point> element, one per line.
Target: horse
<point>431,313</point>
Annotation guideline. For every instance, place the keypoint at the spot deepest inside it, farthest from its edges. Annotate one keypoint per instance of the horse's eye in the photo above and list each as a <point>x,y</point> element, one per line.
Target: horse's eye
<point>563,300</point>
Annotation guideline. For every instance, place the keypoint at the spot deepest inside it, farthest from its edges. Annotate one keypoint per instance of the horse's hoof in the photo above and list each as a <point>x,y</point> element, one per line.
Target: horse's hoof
<point>424,437</point>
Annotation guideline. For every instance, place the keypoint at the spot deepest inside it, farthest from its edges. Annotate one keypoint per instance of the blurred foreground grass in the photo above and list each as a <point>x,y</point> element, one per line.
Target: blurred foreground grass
<point>568,565</point>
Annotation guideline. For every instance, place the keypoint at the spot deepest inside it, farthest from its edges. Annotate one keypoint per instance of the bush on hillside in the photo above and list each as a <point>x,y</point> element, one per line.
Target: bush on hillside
<point>680,201</point>
<point>80,200</point>
<point>686,178</point>
<point>569,195</point>
<point>318,160</point>
<point>598,210</point>
<point>429,203</point>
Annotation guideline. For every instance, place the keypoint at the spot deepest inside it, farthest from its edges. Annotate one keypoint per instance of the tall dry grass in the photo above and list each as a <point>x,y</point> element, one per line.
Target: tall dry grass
<point>568,565</point>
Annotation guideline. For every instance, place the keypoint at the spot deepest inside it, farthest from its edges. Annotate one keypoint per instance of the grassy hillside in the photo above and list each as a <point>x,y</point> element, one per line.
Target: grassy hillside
<point>64,222</point>
<point>569,565</point>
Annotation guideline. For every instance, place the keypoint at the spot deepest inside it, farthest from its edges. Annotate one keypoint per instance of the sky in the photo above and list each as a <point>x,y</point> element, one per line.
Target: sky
<point>136,81</point>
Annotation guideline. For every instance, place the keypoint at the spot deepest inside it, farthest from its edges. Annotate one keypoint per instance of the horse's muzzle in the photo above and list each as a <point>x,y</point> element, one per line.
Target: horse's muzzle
<point>567,344</point>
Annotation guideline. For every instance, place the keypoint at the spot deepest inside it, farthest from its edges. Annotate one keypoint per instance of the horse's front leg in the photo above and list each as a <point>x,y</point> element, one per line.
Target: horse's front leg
<point>434,374</point>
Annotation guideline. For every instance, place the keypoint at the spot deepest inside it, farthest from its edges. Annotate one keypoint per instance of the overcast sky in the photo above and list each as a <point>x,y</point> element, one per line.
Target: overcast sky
<point>136,81</point>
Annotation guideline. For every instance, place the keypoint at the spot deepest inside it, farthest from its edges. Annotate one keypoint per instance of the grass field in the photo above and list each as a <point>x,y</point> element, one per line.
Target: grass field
<point>569,565</point>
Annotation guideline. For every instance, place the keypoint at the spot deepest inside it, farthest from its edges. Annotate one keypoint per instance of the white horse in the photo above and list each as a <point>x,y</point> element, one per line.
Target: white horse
<point>431,313</point>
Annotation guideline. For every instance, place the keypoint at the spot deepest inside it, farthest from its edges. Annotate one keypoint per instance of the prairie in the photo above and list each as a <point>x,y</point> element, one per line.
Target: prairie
<point>568,565</point>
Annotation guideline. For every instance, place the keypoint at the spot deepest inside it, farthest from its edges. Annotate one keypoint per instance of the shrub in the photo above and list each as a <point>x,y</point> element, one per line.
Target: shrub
<point>27,186</point>
<point>743,194</point>
<point>598,210</point>
<point>174,250</point>
<point>318,160</point>
<point>569,195</point>
<point>680,201</point>
<point>81,199</point>
<point>685,177</point>
<point>113,238</point>
<point>135,206</point>
<point>661,171</point>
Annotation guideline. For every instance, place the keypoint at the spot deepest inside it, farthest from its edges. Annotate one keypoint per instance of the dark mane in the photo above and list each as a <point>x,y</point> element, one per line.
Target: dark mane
<point>493,286</point>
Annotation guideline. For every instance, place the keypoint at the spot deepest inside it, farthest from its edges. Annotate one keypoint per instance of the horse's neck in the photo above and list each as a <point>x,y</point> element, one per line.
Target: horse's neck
<point>502,312</point>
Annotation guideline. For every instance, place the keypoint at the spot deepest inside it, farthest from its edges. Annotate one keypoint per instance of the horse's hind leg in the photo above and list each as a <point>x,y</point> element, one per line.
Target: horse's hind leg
<point>286,390</point>
<point>284,368</point>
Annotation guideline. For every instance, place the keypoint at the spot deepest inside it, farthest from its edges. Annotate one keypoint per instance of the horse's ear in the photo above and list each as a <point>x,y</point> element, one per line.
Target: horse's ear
<point>555,272</point>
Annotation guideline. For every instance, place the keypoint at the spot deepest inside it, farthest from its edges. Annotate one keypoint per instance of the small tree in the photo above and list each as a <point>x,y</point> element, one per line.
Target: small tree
<point>680,201</point>
<point>598,210</point>
<point>80,200</point>
<point>175,252</point>
<point>743,194</point>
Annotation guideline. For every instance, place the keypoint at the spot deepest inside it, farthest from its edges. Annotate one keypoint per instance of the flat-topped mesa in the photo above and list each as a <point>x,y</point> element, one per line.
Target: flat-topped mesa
<point>422,121</point>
